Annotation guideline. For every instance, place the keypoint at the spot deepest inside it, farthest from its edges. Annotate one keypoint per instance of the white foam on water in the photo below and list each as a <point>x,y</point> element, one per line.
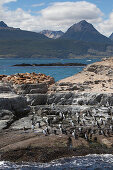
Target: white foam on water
<point>89,161</point>
<point>1,163</point>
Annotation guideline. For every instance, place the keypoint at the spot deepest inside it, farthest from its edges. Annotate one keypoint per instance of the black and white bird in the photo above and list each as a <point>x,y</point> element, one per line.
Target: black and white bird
<point>38,124</point>
<point>55,131</point>
<point>53,106</point>
<point>74,134</point>
<point>72,124</point>
<point>86,136</point>
<point>47,130</point>
<point>44,132</point>
<point>60,114</point>
<point>32,127</point>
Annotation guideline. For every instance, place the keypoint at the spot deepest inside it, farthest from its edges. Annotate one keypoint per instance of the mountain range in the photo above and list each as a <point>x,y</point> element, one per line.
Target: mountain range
<point>10,33</point>
<point>52,34</point>
<point>81,39</point>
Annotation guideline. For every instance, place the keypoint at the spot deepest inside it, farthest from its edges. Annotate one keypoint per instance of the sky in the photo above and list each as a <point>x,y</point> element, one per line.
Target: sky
<point>38,15</point>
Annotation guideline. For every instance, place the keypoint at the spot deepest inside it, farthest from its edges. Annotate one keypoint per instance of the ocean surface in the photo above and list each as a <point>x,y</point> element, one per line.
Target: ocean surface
<point>89,162</point>
<point>58,72</point>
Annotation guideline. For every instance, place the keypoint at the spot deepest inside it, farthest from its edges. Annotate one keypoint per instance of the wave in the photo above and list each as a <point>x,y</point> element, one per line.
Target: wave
<point>89,162</point>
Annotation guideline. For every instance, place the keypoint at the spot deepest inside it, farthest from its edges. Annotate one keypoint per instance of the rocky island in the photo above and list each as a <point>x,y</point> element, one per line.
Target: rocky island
<point>41,120</point>
<point>49,64</point>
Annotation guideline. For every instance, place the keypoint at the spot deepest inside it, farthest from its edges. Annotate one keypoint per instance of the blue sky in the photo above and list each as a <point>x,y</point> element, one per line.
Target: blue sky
<point>105,5</point>
<point>36,15</point>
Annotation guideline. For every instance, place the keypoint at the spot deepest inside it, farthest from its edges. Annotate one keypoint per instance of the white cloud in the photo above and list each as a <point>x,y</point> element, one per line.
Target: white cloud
<point>38,5</point>
<point>106,27</point>
<point>57,16</point>
<point>61,15</point>
<point>71,10</point>
<point>6,1</point>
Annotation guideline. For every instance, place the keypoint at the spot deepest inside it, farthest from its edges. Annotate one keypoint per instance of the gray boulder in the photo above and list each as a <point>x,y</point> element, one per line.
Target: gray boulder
<point>6,115</point>
<point>14,103</point>
<point>36,99</point>
<point>31,88</point>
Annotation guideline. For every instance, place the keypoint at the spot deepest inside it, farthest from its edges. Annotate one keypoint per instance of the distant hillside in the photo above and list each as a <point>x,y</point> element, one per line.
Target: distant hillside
<point>84,31</point>
<point>20,35</point>
<point>111,36</point>
<point>49,48</point>
<point>10,33</point>
<point>52,34</point>
<point>3,25</point>
<point>18,43</point>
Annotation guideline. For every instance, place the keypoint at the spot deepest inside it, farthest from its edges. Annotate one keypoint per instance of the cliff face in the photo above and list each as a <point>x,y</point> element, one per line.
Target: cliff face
<point>79,107</point>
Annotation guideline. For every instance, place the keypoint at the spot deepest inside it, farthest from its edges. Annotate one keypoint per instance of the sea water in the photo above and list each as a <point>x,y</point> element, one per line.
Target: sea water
<point>89,162</point>
<point>58,72</point>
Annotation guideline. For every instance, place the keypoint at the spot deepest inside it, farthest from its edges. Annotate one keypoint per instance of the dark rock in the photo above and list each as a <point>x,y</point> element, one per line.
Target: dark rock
<point>15,103</point>
<point>107,100</point>
<point>31,88</point>
<point>36,99</point>
<point>50,64</point>
<point>2,24</point>
<point>6,114</point>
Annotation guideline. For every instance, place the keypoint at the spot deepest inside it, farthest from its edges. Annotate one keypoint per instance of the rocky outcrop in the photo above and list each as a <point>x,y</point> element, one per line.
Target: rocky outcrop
<point>41,88</point>
<point>12,107</point>
<point>97,77</point>
<point>78,108</point>
<point>19,92</point>
<point>50,64</point>
<point>13,102</point>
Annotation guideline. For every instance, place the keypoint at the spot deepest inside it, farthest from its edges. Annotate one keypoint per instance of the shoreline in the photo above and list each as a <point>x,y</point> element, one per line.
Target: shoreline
<point>46,154</point>
<point>29,146</point>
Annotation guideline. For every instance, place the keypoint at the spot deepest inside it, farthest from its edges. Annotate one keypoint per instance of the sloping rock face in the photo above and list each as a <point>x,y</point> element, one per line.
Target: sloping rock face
<point>97,77</point>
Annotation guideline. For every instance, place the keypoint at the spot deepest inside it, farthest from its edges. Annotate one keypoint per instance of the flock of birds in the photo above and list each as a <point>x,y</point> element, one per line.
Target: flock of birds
<point>79,124</point>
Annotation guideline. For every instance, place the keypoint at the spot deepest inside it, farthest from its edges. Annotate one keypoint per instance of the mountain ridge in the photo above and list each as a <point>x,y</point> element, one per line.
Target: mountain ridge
<point>85,31</point>
<point>4,26</point>
<point>10,33</point>
<point>20,43</point>
<point>111,36</point>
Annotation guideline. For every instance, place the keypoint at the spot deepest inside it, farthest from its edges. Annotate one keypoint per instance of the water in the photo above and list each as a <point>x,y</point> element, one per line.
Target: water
<point>89,162</point>
<point>58,72</point>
